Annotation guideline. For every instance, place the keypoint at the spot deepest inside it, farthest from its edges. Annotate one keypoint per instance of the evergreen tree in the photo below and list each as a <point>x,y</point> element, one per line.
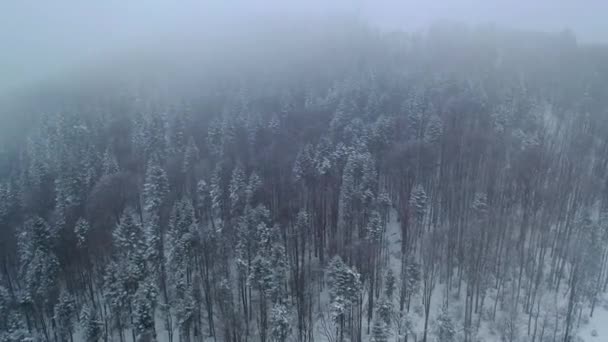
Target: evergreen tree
<point>445,330</point>
<point>90,325</point>
<point>65,314</point>
<point>418,202</point>
<point>279,323</point>
<point>384,311</point>
<point>389,284</point>
<point>344,289</point>
<point>109,163</point>
<point>191,156</point>
<point>156,188</point>
<point>217,193</point>
<point>144,308</point>
<point>237,191</point>
<point>434,130</point>
<point>380,331</point>
<point>39,263</point>
<point>16,331</point>
<point>81,230</point>
<point>374,227</point>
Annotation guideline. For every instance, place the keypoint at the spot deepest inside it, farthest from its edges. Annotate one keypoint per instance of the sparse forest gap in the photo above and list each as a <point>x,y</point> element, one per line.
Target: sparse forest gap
<point>352,185</point>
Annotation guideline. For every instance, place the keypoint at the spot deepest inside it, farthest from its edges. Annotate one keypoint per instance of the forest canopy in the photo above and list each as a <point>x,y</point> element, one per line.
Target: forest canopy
<point>332,183</point>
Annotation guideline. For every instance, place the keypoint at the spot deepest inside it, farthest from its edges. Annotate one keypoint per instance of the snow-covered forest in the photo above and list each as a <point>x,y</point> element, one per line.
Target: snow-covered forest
<point>342,184</point>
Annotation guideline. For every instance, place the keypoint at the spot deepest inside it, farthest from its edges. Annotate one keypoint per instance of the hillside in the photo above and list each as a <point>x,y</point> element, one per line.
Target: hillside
<point>329,184</point>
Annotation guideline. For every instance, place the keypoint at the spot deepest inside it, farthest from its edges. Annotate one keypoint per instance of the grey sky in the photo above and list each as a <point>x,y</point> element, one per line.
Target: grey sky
<point>41,38</point>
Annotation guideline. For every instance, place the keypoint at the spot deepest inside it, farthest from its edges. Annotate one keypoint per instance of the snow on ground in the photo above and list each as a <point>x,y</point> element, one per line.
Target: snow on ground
<point>595,330</point>
<point>598,324</point>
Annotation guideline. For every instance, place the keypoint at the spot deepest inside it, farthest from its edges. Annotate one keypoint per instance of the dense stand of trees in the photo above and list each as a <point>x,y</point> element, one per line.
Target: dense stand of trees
<point>342,196</point>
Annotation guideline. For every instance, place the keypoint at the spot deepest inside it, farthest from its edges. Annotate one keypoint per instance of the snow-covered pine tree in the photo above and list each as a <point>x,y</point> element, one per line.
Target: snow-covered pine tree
<point>380,331</point>
<point>405,326</point>
<point>444,329</point>
<point>39,268</point>
<point>126,272</point>
<point>280,328</point>
<point>237,191</point>
<point>253,187</point>
<point>304,166</point>
<point>65,315</point>
<point>374,227</point>
<point>109,165</point>
<point>143,310</point>
<point>418,202</point>
<point>185,308</point>
<point>434,129</point>
<point>90,324</point>
<point>154,142</point>
<point>389,284</point>
<point>191,156</point>
<point>68,193</point>
<point>344,290</point>
<point>5,306</point>
<point>81,230</point>
<point>384,310</point>
<point>357,193</point>
<point>217,193</point>
<point>155,191</point>
<point>156,188</point>
<point>16,331</point>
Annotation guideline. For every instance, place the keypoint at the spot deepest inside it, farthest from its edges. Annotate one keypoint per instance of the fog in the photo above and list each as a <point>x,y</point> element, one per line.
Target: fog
<point>49,38</point>
<point>364,171</point>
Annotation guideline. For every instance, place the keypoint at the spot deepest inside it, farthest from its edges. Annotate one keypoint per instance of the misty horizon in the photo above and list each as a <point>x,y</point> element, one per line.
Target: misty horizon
<point>265,171</point>
<point>42,41</point>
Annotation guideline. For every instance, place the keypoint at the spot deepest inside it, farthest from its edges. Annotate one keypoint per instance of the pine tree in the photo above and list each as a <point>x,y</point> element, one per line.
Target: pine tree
<point>418,202</point>
<point>40,265</point>
<point>304,165</point>
<point>64,315</point>
<point>5,306</point>
<point>81,230</point>
<point>445,330</point>
<point>68,191</point>
<point>237,191</point>
<point>16,331</point>
<point>128,237</point>
<point>389,284</point>
<point>191,156</point>
<point>344,290</point>
<point>90,324</point>
<point>4,202</point>
<point>156,188</point>
<point>374,227</point>
<point>154,137</point>
<point>384,311</point>
<point>126,272</point>
<point>434,130</point>
<point>253,187</point>
<point>280,327</point>
<point>144,308</point>
<point>217,193</point>
<point>279,265</point>
<point>380,331</point>
<point>185,306</point>
<point>109,163</point>
<point>405,326</point>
